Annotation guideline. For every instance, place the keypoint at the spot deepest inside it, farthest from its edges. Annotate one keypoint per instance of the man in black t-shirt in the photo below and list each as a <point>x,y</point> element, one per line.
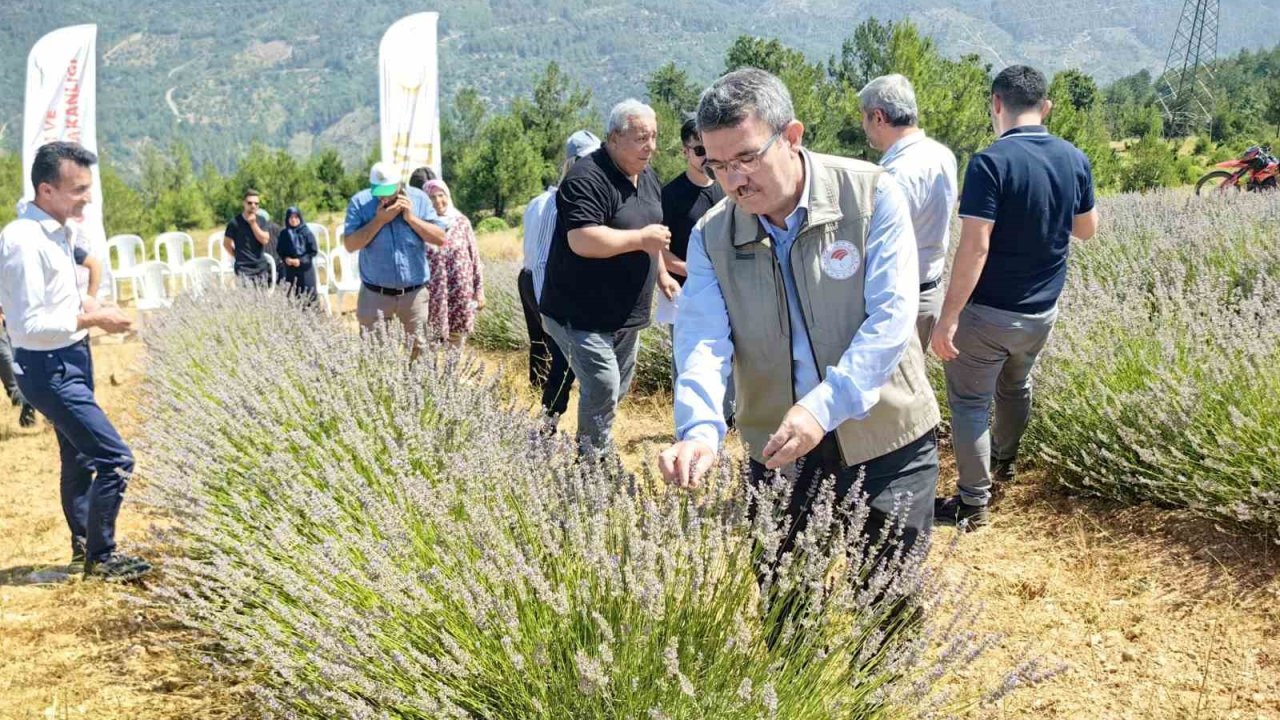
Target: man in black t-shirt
<point>684,201</point>
<point>687,198</point>
<point>246,238</point>
<point>605,255</point>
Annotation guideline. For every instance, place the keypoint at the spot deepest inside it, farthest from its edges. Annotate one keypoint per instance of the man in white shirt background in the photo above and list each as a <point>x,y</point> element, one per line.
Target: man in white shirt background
<point>549,371</point>
<point>925,170</point>
<point>49,325</point>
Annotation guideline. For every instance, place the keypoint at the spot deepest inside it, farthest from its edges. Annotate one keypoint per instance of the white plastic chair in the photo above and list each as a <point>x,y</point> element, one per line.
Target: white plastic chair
<point>130,252</point>
<point>337,237</point>
<point>324,279</point>
<point>200,274</point>
<point>274,273</point>
<point>173,249</point>
<point>322,236</point>
<point>345,269</point>
<point>153,291</point>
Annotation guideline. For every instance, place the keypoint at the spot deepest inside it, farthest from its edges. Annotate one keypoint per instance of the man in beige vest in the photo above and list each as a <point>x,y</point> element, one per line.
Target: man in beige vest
<point>805,278</point>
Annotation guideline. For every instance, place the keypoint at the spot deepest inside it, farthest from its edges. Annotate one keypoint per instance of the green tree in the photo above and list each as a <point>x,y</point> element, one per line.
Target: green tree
<point>504,168</point>
<point>1076,117</point>
<point>558,108</point>
<point>1151,163</point>
<point>122,208</point>
<point>671,86</point>
<point>332,180</point>
<point>10,185</point>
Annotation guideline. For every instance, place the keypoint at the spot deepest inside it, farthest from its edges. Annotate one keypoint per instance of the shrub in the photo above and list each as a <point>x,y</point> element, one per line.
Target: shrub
<point>1162,376</point>
<point>492,224</point>
<point>368,536</point>
<point>500,325</point>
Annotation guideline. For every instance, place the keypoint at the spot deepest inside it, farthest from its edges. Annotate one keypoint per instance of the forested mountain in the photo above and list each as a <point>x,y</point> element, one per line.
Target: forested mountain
<point>218,74</point>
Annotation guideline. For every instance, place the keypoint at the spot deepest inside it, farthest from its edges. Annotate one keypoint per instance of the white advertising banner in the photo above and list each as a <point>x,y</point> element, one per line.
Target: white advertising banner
<point>61,104</point>
<point>408,74</point>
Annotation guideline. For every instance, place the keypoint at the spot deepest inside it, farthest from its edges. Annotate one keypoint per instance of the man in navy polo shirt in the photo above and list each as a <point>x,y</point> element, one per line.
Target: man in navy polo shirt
<point>1024,197</point>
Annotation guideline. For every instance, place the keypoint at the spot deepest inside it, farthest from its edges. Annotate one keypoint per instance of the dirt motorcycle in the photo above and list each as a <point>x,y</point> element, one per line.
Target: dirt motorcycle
<point>1257,167</point>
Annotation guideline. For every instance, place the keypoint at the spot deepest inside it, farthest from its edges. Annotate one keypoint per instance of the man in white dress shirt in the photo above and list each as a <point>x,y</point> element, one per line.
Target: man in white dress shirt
<point>805,278</point>
<point>49,324</point>
<point>925,170</point>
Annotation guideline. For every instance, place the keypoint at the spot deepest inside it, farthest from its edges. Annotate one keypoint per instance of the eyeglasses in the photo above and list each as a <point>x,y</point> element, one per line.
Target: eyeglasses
<point>698,150</point>
<point>743,165</point>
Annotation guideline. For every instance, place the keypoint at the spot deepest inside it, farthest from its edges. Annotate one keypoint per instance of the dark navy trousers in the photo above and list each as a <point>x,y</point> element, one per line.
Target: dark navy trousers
<point>96,463</point>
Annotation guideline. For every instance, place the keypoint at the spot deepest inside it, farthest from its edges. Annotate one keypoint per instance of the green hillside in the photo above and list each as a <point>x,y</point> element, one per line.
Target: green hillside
<point>221,73</point>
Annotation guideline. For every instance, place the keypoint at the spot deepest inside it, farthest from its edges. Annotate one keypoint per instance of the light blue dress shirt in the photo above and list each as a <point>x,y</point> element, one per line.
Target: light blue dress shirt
<point>396,257</point>
<point>539,227</point>
<point>891,292</point>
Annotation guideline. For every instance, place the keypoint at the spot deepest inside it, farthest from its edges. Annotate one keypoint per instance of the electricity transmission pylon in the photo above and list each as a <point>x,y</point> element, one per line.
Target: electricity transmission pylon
<point>1185,87</point>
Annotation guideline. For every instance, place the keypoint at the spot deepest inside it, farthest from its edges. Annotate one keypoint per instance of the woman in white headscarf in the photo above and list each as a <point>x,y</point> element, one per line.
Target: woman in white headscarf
<point>456,287</point>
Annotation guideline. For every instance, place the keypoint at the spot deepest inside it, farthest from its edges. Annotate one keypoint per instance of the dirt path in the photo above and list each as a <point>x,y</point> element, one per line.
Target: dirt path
<point>1154,615</point>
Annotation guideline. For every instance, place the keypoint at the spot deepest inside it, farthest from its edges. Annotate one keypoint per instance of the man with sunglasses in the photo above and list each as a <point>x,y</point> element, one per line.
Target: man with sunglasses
<point>246,238</point>
<point>684,201</point>
<point>806,280</point>
<point>687,198</point>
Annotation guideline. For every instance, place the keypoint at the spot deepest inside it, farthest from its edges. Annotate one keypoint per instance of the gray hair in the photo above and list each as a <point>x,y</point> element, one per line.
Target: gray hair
<point>741,94</point>
<point>621,115</point>
<point>893,96</point>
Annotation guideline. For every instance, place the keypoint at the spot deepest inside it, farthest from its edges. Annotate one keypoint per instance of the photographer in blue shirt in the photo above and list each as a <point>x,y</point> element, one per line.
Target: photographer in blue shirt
<point>388,224</point>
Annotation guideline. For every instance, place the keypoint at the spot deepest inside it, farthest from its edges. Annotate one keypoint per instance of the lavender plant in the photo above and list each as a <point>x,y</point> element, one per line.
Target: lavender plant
<point>500,326</point>
<point>373,537</point>
<point>1162,379</point>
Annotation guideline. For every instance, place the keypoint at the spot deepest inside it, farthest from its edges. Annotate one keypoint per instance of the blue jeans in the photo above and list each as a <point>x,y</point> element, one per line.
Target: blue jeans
<point>96,463</point>
<point>604,363</point>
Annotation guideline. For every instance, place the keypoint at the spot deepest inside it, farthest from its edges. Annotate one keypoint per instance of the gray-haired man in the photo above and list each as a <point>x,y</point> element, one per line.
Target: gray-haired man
<point>805,279</point>
<point>925,170</point>
<point>598,292</point>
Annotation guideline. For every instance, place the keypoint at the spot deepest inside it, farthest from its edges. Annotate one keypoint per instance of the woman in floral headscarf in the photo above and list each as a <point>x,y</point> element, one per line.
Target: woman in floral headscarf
<point>297,248</point>
<point>456,287</point>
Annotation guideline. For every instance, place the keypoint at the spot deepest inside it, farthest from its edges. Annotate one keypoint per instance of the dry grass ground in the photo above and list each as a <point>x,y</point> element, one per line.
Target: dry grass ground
<point>1153,614</point>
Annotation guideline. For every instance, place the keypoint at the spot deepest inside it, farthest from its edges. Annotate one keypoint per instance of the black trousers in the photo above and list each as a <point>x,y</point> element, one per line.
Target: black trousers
<point>912,468</point>
<point>301,282</point>
<point>549,371</point>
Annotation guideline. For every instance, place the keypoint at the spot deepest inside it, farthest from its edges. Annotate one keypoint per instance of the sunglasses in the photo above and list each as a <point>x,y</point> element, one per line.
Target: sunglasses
<point>698,150</point>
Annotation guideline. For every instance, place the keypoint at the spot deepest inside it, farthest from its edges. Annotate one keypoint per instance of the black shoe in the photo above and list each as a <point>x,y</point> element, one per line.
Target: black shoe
<point>117,568</point>
<point>28,417</point>
<point>1004,471</point>
<point>954,511</point>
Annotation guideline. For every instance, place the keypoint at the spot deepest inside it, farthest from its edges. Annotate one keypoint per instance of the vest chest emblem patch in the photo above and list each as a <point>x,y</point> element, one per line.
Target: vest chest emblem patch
<point>841,260</point>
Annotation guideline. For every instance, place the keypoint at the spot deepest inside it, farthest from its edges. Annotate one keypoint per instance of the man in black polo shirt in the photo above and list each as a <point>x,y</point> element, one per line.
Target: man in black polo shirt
<point>1024,197</point>
<point>246,238</point>
<point>598,291</point>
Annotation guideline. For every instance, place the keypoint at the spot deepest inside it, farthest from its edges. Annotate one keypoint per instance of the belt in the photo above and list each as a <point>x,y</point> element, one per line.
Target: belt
<point>926,287</point>
<point>393,292</point>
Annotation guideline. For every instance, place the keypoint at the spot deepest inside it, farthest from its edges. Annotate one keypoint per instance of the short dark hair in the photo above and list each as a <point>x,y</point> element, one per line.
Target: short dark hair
<point>1020,88</point>
<point>250,192</point>
<point>689,131</point>
<point>421,177</point>
<point>47,166</point>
